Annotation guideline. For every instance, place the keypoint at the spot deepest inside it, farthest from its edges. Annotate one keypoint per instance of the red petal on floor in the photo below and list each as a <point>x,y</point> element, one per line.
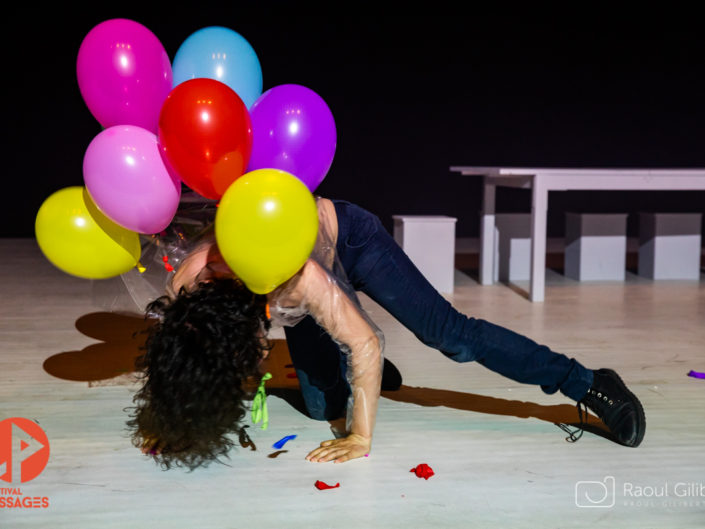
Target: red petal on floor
<point>423,471</point>
<point>324,486</point>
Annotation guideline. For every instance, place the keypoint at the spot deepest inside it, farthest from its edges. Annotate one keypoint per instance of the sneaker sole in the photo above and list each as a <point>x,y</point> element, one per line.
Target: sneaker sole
<point>641,430</point>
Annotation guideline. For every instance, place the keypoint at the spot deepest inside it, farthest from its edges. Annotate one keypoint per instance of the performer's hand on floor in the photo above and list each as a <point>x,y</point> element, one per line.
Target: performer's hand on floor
<point>341,450</point>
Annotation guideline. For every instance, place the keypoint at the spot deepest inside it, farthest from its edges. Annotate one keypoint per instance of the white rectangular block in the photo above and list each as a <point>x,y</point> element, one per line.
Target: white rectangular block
<point>596,246</point>
<point>429,241</point>
<point>670,245</point>
<point>512,247</point>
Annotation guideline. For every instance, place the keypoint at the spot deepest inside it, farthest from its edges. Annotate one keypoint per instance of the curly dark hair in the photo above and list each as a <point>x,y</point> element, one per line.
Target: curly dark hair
<point>198,359</point>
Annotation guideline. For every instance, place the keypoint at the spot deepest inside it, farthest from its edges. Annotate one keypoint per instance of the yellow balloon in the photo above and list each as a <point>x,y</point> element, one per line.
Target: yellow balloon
<point>80,240</point>
<point>266,227</point>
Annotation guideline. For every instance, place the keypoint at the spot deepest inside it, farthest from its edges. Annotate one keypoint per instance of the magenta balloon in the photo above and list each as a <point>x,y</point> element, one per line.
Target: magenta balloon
<point>124,74</point>
<point>128,181</point>
<point>293,130</point>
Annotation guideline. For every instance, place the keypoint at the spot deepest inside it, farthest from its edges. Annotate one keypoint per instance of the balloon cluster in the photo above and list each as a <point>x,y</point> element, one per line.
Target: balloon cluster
<point>202,121</point>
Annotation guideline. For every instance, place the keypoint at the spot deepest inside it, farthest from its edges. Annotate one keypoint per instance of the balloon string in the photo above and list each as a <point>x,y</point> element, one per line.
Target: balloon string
<point>259,404</point>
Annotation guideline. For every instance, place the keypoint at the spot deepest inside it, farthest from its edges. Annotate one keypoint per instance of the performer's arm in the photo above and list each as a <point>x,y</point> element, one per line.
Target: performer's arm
<point>342,319</point>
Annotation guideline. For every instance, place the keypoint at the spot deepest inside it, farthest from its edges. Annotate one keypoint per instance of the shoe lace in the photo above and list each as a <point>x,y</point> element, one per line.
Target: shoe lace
<point>577,433</point>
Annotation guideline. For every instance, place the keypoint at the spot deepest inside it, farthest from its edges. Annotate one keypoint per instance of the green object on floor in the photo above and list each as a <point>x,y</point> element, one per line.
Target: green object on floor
<point>259,404</point>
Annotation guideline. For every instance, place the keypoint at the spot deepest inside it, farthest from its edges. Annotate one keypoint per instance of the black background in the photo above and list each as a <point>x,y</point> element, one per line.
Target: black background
<point>412,93</point>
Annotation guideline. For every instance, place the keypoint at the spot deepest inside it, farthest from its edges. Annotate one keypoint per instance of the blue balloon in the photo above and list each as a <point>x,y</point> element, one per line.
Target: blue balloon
<point>222,54</point>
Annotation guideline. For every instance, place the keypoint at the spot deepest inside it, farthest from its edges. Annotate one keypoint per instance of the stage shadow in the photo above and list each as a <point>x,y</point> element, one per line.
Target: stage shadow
<point>556,414</point>
<point>112,362</point>
<point>516,288</point>
<point>122,338</point>
<point>430,397</point>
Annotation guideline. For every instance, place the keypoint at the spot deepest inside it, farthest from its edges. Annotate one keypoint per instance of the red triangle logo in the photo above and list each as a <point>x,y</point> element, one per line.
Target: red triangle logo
<point>23,445</point>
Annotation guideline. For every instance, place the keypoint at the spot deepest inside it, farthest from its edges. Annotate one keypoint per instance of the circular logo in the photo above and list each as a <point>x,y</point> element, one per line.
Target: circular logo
<point>24,450</point>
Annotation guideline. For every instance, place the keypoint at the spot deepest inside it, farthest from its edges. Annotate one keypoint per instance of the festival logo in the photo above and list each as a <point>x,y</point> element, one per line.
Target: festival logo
<point>24,450</point>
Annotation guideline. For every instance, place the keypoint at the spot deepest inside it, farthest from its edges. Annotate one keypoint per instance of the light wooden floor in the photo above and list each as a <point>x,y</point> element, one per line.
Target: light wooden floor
<point>499,459</point>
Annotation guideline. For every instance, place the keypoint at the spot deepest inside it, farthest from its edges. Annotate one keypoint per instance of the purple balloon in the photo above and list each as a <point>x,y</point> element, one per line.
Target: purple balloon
<point>128,181</point>
<point>293,130</point>
<point>124,74</point>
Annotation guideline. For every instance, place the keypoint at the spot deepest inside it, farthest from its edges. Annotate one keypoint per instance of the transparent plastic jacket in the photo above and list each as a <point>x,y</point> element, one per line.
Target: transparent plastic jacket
<point>320,288</point>
<point>162,253</point>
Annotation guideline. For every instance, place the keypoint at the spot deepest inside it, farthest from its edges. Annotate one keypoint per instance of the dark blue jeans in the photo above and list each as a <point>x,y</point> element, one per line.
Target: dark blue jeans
<point>377,266</point>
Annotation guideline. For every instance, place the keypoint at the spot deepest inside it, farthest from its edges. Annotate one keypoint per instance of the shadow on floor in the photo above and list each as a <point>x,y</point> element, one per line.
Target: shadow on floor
<point>122,338</point>
<point>556,414</point>
<point>112,362</point>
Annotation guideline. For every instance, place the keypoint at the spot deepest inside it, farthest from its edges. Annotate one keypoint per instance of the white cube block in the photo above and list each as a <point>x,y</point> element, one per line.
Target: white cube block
<point>670,245</point>
<point>596,246</point>
<point>429,241</point>
<point>512,247</point>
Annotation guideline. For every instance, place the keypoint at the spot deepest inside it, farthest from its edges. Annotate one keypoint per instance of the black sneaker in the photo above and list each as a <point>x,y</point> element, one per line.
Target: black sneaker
<point>618,408</point>
<point>391,377</point>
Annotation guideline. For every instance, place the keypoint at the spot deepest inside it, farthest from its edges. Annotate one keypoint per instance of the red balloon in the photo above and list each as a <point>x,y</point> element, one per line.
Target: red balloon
<point>206,135</point>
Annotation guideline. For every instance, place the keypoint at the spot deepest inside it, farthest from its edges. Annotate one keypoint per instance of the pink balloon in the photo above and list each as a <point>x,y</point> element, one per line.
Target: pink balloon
<point>128,181</point>
<point>124,74</point>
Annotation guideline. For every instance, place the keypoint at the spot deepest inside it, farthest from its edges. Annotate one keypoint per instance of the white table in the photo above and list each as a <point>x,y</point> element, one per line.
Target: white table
<point>541,181</point>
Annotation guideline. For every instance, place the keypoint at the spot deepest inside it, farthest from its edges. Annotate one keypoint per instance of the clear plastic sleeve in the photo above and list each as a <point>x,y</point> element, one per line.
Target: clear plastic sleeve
<point>322,290</point>
<point>161,256</point>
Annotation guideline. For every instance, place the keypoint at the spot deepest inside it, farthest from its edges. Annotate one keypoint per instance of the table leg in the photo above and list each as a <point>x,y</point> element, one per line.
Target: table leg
<point>539,207</point>
<point>487,234</point>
